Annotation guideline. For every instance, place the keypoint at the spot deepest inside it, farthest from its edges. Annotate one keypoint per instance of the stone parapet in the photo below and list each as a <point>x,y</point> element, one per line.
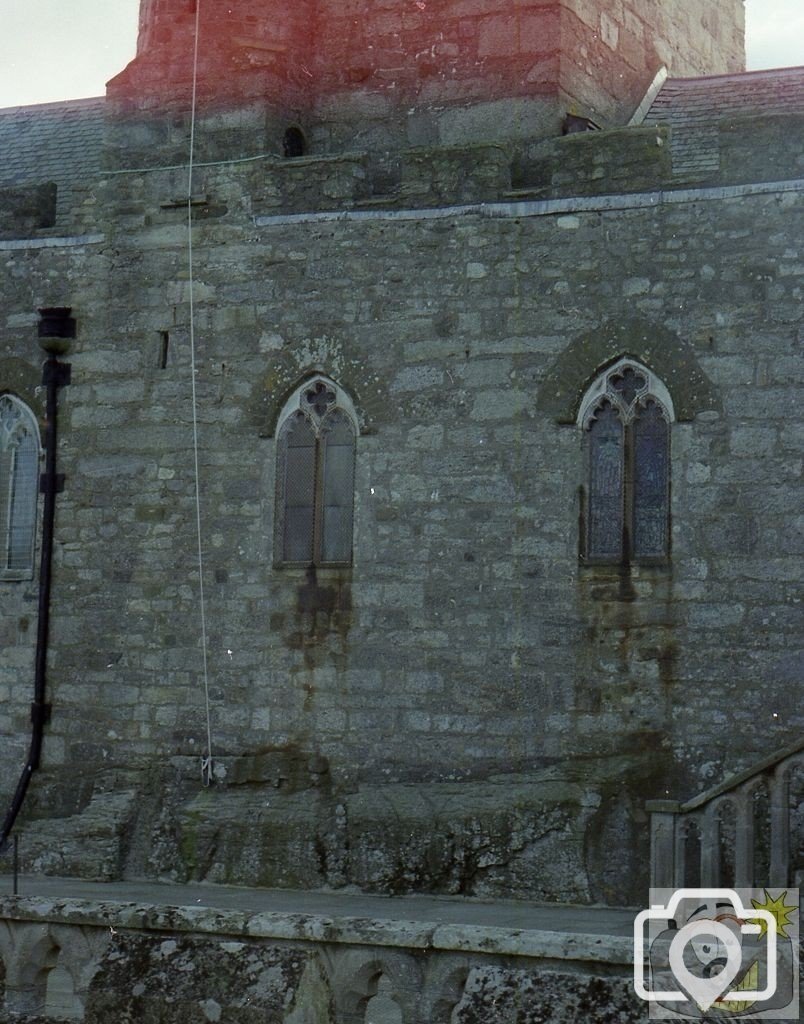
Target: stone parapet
<point>421,931</point>
<point>340,963</point>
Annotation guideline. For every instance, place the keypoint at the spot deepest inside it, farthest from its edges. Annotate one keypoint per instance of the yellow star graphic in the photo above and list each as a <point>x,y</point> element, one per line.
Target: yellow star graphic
<point>780,910</point>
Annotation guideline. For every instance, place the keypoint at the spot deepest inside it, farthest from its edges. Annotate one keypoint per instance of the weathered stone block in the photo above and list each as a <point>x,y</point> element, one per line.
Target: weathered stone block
<point>26,209</point>
<point>173,981</point>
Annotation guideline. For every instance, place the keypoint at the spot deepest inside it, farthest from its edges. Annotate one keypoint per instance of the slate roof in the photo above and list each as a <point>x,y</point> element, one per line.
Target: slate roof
<point>58,142</point>
<point>695,107</point>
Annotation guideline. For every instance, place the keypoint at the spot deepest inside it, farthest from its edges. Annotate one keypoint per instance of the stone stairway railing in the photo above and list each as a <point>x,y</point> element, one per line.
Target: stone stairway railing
<point>737,833</point>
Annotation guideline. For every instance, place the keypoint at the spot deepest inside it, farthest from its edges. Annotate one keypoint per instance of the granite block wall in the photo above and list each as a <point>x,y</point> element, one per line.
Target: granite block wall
<point>466,708</point>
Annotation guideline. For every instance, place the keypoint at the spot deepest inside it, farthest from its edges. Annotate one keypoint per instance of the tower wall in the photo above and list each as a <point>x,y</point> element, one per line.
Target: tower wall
<point>246,55</point>
<point>494,69</point>
<point>432,72</point>
<point>610,52</point>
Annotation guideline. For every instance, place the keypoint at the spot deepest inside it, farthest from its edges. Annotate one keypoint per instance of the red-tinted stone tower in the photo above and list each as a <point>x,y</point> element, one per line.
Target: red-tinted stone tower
<point>391,73</point>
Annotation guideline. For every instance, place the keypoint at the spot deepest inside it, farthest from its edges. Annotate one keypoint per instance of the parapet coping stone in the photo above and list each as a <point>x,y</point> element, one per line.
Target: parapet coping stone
<point>51,242</point>
<point>491,210</point>
<point>416,932</point>
<point>544,207</point>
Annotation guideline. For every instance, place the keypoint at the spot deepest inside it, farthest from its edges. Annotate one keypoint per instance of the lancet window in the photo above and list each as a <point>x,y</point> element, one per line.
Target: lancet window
<point>315,476</point>
<point>625,418</point>
<point>19,487</point>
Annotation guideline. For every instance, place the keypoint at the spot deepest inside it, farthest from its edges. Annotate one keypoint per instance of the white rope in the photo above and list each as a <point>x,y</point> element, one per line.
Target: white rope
<point>207,766</point>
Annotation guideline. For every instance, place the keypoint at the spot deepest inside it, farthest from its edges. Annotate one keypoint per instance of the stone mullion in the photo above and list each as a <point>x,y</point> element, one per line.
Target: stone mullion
<point>780,827</point>
<point>710,846</point>
<point>681,840</point>
<point>744,839</point>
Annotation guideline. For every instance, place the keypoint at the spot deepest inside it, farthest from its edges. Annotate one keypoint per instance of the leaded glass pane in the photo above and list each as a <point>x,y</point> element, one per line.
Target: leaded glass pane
<point>22,504</point>
<point>337,503</point>
<point>297,475</point>
<point>6,467</point>
<point>19,487</point>
<point>651,482</point>
<point>605,510</point>
<point>298,535</point>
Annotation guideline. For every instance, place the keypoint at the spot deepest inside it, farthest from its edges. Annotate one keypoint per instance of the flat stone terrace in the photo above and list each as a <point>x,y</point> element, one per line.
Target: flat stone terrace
<point>184,953</point>
<point>508,927</point>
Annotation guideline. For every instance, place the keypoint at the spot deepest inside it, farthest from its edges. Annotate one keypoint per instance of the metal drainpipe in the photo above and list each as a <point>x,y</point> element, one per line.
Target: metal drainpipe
<point>56,327</point>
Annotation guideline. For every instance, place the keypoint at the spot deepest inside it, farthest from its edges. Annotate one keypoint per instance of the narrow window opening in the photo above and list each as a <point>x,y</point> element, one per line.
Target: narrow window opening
<point>606,479</point>
<point>294,143</point>
<point>19,488</point>
<point>625,418</point>
<point>315,477</point>
<point>651,476</point>
<point>164,348</point>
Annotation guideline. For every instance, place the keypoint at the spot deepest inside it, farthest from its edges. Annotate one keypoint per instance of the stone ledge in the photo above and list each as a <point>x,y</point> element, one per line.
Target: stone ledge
<point>65,242</point>
<point>420,935</point>
<point>544,207</point>
<point>537,945</point>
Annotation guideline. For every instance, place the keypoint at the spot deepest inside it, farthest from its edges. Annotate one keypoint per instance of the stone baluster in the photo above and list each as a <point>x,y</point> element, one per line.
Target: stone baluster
<point>710,845</point>
<point>744,836</point>
<point>682,850</point>
<point>28,952</point>
<point>780,826</point>
<point>81,952</point>
<point>663,843</point>
<point>671,823</point>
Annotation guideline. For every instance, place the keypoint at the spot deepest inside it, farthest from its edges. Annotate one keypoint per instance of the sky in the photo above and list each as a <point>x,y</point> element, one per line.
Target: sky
<point>66,49</point>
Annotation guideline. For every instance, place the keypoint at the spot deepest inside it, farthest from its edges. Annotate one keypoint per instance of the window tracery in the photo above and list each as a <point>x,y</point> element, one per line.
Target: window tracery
<point>315,476</point>
<point>19,487</point>
<point>625,418</point>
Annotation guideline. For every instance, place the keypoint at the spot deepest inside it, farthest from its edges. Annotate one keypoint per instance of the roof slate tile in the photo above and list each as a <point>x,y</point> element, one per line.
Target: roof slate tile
<point>58,142</point>
<point>694,108</point>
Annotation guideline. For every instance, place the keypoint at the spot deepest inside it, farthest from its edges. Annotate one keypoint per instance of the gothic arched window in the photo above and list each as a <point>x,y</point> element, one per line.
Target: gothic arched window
<point>19,486</point>
<point>625,417</point>
<point>315,476</point>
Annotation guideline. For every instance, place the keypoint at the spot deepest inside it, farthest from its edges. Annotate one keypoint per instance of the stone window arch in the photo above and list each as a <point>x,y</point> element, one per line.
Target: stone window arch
<point>294,143</point>
<point>625,417</point>
<point>19,486</point>
<point>316,435</point>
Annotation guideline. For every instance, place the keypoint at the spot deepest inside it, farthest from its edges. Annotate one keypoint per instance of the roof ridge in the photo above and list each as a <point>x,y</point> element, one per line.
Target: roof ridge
<point>84,101</point>
<point>739,75</point>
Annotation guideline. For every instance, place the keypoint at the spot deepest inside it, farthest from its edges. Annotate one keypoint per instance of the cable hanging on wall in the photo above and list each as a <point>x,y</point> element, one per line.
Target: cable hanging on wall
<point>207,764</point>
